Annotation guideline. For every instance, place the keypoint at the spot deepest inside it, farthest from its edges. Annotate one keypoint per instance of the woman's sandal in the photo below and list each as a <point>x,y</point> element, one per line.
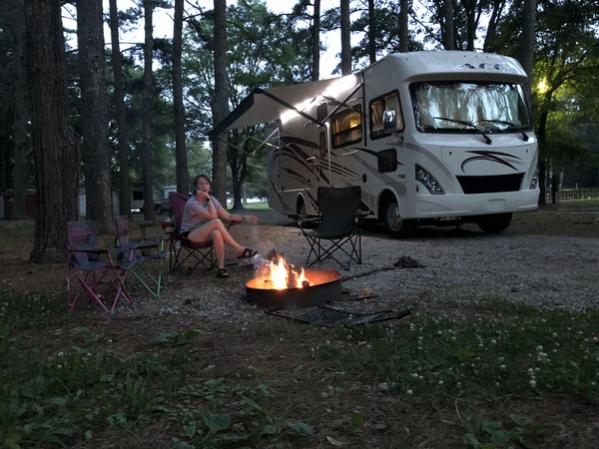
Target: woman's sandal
<point>247,253</point>
<point>222,273</point>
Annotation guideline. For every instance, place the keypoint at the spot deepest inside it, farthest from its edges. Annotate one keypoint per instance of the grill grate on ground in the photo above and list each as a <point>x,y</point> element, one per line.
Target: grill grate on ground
<point>328,317</point>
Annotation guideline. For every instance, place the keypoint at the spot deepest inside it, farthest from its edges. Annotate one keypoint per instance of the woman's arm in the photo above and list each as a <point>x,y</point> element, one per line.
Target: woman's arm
<point>205,213</point>
<point>225,215</point>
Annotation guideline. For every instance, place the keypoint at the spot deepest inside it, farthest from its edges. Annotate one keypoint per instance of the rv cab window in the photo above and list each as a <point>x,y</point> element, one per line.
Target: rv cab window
<point>378,106</point>
<point>469,106</point>
<point>346,127</point>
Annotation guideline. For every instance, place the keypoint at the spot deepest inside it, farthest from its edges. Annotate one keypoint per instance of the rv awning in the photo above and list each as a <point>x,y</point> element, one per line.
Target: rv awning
<point>267,105</point>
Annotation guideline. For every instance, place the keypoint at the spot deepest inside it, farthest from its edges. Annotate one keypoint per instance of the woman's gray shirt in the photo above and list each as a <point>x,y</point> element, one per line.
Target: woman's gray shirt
<point>191,216</point>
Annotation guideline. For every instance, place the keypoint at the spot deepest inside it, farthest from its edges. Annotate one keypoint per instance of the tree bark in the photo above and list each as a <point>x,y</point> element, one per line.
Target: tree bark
<point>315,33</point>
<point>404,34</point>
<point>448,30</point>
<point>345,39</point>
<point>56,157</point>
<point>372,32</point>
<point>526,59</point>
<point>221,101</point>
<point>94,113</point>
<point>528,43</point>
<point>22,114</point>
<point>147,113</point>
<point>180,149</point>
<point>491,36</point>
<point>121,115</point>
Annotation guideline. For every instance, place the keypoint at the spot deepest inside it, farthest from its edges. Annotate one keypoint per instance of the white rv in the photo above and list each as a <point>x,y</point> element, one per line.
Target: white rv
<point>430,137</point>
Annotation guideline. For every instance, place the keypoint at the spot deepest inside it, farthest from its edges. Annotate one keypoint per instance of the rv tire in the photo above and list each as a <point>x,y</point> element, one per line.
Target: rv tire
<point>494,223</point>
<point>396,226</point>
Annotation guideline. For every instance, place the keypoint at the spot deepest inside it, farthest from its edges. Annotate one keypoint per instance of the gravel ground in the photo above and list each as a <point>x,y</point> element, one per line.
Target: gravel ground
<point>464,265</point>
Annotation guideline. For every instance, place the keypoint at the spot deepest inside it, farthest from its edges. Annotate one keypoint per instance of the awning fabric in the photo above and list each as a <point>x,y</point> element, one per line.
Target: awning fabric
<point>267,105</point>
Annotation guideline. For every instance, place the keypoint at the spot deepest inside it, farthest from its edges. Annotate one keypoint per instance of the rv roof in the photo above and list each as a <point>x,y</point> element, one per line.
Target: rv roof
<point>267,105</point>
<point>453,65</point>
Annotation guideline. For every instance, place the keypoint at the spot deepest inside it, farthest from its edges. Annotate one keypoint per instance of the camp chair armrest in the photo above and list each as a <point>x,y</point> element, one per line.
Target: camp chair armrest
<point>88,250</point>
<point>308,219</point>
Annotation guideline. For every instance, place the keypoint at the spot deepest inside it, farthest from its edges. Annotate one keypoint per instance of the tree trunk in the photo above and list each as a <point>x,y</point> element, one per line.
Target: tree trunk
<point>345,39</point>
<point>528,43</point>
<point>121,116</point>
<point>526,59</point>
<point>448,30</point>
<point>315,32</point>
<point>404,35</point>
<point>94,113</point>
<point>56,158</point>
<point>22,114</point>
<point>180,150</point>
<point>221,101</point>
<point>542,141</point>
<point>470,8</point>
<point>371,32</point>
<point>147,113</point>
<point>491,36</point>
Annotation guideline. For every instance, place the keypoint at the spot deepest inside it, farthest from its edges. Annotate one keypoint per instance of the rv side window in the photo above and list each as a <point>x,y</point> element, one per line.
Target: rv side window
<point>346,127</point>
<point>379,105</point>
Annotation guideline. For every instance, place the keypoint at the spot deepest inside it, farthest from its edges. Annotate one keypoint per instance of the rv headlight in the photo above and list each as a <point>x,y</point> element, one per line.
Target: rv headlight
<point>534,181</point>
<point>428,181</point>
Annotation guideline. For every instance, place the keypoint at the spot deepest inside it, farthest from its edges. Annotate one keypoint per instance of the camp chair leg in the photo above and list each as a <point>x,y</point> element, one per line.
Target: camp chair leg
<point>323,252</point>
<point>91,291</point>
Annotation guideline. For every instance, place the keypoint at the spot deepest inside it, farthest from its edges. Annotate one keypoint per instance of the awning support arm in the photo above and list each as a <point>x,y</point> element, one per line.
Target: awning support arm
<point>287,105</point>
<point>343,103</point>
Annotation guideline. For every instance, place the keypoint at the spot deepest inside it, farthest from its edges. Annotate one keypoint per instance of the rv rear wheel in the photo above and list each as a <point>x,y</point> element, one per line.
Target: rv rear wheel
<point>495,223</point>
<point>396,226</point>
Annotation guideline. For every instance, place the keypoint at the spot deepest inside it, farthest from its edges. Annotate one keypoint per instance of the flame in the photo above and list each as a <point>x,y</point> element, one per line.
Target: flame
<point>282,275</point>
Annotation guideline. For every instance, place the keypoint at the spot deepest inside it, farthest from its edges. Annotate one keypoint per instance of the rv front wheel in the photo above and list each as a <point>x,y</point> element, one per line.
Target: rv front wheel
<point>494,223</point>
<point>396,226</point>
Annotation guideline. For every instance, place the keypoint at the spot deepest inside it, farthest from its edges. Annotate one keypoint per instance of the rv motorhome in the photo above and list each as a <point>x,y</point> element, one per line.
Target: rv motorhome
<point>430,137</point>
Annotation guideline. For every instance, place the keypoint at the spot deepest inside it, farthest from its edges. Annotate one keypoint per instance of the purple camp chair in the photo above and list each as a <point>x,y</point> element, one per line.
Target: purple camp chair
<point>181,248</point>
<point>90,267</point>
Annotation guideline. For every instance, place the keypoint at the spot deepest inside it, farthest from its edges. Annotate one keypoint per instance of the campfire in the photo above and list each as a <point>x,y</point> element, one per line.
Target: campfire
<point>278,283</point>
<point>279,274</point>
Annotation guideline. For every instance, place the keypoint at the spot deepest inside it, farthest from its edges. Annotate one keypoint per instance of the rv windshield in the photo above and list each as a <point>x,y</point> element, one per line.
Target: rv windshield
<point>469,107</point>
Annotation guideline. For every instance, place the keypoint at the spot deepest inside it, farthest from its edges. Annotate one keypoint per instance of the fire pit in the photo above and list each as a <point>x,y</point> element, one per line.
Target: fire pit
<point>280,284</point>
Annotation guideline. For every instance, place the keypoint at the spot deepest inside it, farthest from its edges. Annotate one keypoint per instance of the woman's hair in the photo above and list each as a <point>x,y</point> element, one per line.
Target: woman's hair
<point>196,179</point>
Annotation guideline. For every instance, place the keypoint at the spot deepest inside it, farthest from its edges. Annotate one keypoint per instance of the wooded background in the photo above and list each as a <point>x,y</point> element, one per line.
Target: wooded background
<point>109,119</point>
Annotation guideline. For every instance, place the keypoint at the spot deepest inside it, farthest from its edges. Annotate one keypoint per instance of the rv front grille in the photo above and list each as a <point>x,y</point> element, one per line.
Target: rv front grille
<point>491,184</point>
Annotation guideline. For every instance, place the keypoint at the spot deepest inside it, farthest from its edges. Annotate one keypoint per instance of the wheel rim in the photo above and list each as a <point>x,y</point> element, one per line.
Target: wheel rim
<point>392,217</point>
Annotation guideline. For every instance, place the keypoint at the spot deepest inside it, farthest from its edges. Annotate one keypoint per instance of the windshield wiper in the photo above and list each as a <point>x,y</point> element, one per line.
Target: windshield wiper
<point>482,131</point>
<point>504,122</point>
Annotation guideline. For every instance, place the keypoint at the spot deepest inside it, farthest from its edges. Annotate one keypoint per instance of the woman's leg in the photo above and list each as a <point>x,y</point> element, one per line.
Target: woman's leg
<point>203,234</point>
<point>219,247</point>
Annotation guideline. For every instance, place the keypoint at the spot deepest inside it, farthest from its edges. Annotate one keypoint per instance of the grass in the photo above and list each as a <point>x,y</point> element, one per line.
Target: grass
<point>88,389</point>
<point>499,351</point>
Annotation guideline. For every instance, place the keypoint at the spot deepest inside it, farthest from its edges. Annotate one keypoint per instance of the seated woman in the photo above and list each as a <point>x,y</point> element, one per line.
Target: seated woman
<point>202,221</point>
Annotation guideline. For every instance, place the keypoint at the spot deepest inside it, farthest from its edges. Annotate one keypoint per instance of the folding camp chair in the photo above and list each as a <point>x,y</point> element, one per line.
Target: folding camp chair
<point>336,229</point>
<point>181,248</point>
<point>142,258</point>
<point>90,267</point>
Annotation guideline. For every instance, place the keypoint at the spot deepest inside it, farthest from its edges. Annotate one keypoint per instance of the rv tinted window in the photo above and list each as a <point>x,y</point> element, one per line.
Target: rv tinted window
<point>346,127</point>
<point>468,106</point>
<point>380,105</point>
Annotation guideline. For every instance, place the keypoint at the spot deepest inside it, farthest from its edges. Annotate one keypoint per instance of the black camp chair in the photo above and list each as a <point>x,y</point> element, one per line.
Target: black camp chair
<point>336,229</point>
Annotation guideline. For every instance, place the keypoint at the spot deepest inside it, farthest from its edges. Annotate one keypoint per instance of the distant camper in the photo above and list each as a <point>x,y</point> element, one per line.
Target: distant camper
<point>430,137</point>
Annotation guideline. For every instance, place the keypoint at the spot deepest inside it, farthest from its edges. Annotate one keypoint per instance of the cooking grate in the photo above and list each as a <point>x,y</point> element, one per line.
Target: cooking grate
<point>328,317</point>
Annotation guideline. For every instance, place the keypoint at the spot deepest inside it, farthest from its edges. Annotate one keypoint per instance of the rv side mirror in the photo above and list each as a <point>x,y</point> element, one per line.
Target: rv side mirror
<point>389,120</point>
